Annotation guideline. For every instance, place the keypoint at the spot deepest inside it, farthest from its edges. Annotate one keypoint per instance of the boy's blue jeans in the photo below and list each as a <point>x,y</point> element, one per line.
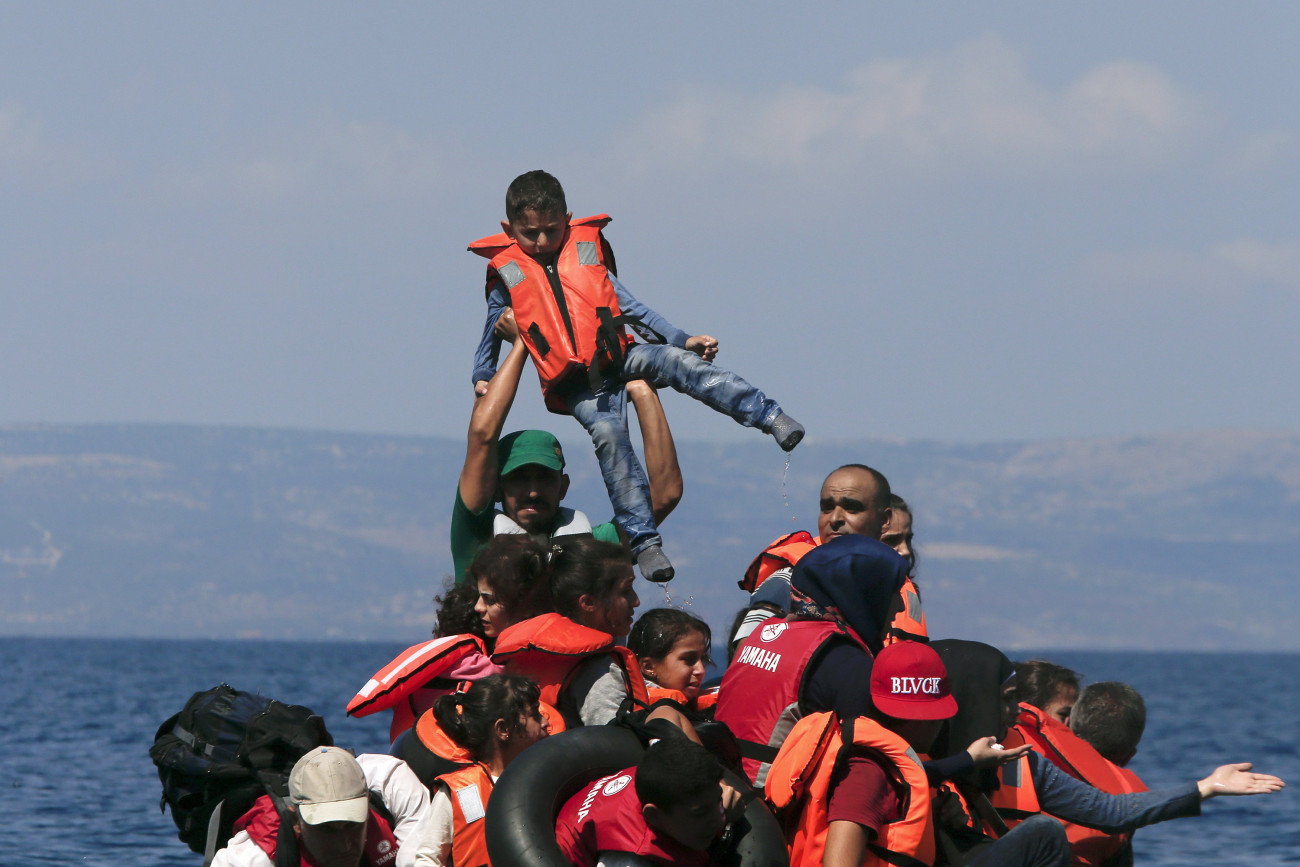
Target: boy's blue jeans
<point>604,414</point>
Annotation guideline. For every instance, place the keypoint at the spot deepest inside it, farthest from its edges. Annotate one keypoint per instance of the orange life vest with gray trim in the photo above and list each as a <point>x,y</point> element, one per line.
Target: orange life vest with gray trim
<point>562,331</point>
<point>549,649</point>
<point>704,700</point>
<point>470,788</point>
<point>798,788</point>
<point>1015,798</point>
<point>908,624</point>
<point>1072,754</point>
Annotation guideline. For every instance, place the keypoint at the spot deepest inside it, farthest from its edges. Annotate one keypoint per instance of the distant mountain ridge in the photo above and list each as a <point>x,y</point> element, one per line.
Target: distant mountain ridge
<point>1155,542</point>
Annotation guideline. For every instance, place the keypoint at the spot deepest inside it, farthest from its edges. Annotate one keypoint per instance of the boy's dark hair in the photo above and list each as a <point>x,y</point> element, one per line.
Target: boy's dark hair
<point>659,629</point>
<point>1038,681</point>
<point>535,191</point>
<point>514,566</point>
<point>470,717</point>
<point>675,770</point>
<point>456,614</point>
<point>581,565</point>
<point>1111,716</point>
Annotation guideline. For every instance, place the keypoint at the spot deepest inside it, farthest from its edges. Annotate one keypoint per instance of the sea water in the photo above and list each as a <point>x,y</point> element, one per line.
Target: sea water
<point>80,715</point>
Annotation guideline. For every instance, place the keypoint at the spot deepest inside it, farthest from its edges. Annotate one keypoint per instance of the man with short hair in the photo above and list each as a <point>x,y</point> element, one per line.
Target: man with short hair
<point>1111,716</point>
<point>524,471</point>
<point>336,824</point>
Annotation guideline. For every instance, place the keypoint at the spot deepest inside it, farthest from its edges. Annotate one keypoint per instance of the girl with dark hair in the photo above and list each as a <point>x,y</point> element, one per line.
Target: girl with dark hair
<point>672,649</point>
<point>494,721</point>
<point>509,573</point>
<point>571,653</point>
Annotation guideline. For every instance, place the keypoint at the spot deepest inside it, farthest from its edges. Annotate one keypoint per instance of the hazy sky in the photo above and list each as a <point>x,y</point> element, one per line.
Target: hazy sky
<point>957,221</point>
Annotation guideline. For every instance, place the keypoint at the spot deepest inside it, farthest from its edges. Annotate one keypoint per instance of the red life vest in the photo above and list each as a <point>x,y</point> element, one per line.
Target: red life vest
<point>395,685</point>
<point>606,817</point>
<point>1072,754</point>
<point>560,346</point>
<point>262,823</point>
<point>763,689</point>
<point>549,649</point>
<point>798,788</point>
<point>470,788</point>
<point>908,623</point>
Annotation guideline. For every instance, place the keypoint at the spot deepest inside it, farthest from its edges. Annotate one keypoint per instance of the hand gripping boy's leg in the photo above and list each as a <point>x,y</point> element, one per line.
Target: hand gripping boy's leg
<point>689,371</point>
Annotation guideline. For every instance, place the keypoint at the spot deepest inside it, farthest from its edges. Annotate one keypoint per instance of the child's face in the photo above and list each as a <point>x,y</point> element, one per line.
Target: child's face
<point>682,668</point>
<point>694,822</point>
<point>538,235</point>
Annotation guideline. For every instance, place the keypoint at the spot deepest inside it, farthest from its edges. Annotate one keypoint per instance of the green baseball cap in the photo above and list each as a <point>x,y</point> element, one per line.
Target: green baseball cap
<point>525,447</point>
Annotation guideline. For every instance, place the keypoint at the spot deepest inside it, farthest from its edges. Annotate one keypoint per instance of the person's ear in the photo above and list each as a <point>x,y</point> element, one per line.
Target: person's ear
<point>587,603</point>
<point>501,730</point>
<point>508,229</point>
<point>564,484</point>
<point>654,817</point>
<point>647,668</point>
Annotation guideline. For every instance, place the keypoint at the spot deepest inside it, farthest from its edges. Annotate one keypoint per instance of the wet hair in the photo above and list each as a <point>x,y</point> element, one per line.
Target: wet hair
<point>1038,681</point>
<point>882,483</point>
<point>657,632</point>
<point>898,504</point>
<point>456,614</point>
<point>535,191</point>
<point>1111,716</point>
<point>674,770</point>
<point>583,566</point>
<point>469,718</point>
<point>514,566</point>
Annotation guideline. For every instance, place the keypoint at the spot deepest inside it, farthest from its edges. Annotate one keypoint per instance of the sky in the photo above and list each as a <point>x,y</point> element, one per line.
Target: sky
<point>973,222</point>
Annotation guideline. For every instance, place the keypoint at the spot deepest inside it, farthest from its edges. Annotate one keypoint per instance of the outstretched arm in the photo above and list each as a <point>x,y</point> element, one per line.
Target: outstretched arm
<point>1238,780</point>
<point>662,469</point>
<point>478,476</point>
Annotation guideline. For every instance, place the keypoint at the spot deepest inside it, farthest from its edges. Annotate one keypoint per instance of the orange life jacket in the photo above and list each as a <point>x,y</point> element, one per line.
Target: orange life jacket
<point>1015,799</point>
<point>549,649</point>
<point>704,700</point>
<point>1072,754</point>
<point>798,788</point>
<point>908,624</point>
<point>470,788</point>
<point>395,683</point>
<point>562,340</point>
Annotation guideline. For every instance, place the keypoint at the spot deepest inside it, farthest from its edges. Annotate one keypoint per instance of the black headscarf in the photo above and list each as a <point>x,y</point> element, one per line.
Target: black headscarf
<point>852,579</point>
<point>976,675</point>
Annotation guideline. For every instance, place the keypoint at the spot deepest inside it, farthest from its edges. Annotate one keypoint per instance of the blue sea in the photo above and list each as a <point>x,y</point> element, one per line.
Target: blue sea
<point>80,715</point>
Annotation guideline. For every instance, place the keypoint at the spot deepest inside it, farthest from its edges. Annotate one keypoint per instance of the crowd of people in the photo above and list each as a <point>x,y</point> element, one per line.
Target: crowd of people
<point>870,740</point>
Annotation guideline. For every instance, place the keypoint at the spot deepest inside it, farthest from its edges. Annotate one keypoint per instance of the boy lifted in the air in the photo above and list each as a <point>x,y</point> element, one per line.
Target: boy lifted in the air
<point>558,276</point>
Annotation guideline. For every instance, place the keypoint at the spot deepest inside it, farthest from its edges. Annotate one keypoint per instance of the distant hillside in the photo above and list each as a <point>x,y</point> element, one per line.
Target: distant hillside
<point>1182,541</point>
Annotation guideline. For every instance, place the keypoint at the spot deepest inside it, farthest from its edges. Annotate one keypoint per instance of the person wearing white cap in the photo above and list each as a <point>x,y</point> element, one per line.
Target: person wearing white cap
<point>331,793</point>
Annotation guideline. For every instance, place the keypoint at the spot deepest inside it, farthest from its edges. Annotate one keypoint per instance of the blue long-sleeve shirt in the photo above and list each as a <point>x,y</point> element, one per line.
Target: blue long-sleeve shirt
<point>488,353</point>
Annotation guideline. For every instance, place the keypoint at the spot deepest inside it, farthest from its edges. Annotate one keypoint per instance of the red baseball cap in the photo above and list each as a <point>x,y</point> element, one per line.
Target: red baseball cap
<point>908,681</point>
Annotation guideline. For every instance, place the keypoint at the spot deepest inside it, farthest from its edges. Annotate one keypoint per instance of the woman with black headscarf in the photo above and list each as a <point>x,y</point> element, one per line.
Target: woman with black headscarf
<point>982,680</point>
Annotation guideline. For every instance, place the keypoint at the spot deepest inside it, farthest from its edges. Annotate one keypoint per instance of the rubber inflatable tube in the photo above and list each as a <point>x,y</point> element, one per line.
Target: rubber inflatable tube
<point>520,824</point>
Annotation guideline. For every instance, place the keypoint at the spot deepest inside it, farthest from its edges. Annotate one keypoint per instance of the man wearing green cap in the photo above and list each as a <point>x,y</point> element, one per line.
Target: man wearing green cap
<point>524,470</point>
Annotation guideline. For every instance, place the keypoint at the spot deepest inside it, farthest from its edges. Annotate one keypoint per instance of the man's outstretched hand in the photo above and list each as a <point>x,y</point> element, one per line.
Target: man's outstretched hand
<point>1238,780</point>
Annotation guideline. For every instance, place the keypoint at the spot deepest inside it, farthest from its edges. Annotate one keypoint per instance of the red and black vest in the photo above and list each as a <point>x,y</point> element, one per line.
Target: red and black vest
<point>550,648</point>
<point>562,328</point>
<point>262,823</point>
<point>606,817</point>
<point>1072,754</point>
<point>762,692</point>
<point>798,788</point>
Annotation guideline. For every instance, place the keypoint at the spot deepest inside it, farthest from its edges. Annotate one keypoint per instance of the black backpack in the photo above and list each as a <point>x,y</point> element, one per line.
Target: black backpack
<point>223,751</point>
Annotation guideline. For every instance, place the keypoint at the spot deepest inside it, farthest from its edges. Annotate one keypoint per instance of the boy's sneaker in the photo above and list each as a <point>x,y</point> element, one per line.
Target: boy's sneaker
<point>654,565</point>
<point>786,431</point>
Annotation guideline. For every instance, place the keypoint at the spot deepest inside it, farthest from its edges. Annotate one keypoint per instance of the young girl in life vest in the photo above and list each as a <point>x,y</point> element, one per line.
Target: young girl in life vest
<point>672,649</point>
<point>495,720</point>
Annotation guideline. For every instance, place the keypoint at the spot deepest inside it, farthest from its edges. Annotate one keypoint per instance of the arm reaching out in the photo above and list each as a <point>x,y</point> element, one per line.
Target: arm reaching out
<point>985,756</point>
<point>662,469</point>
<point>1238,780</point>
<point>478,475</point>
